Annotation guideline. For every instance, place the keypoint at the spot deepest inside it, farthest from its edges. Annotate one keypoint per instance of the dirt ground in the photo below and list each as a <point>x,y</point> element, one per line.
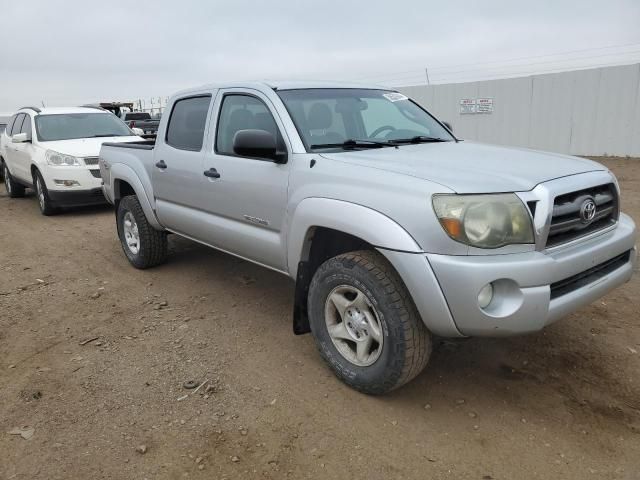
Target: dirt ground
<point>94,355</point>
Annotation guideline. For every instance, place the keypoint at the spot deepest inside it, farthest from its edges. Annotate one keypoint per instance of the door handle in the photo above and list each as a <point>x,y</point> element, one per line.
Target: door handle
<point>161,164</point>
<point>212,173</point>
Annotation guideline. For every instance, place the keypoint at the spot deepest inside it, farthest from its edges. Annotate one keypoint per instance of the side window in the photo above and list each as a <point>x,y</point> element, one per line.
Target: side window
<point>26,124</point>
<point>243,112</point>
<point>17,124</point>
<point>10,124</point>
<point>187,123</point>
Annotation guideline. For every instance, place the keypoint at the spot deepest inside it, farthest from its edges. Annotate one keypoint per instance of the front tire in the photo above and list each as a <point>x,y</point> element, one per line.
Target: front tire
<point>14,189</point>
<point>42,193</point>
<point>365,324</point>
<point>143,245</point>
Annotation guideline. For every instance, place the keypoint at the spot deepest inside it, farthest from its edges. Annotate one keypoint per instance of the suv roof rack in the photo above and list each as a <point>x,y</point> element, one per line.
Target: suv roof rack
<point>35,109</point>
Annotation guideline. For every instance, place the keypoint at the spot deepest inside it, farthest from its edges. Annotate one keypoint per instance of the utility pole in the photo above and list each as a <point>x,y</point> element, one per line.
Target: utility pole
<point>426,71</point>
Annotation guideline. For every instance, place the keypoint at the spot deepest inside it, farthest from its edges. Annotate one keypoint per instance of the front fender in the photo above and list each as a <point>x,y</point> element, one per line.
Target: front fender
<point>357,220</point>
<point>120,171</point>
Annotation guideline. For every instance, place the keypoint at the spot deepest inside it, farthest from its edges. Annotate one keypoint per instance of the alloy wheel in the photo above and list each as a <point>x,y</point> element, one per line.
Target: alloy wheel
<point>131,234</point>
<point>354,325</point>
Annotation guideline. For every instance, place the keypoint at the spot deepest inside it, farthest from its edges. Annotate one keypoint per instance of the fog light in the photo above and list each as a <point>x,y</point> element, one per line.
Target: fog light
<point>485,295</point>
<point>66,183</point>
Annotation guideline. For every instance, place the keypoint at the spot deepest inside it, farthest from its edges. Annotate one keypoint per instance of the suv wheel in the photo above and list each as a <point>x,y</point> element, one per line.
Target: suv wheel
<point>143,245</point>
<point>14,190</point>
<point>46,206</point>
<point>365,324</point>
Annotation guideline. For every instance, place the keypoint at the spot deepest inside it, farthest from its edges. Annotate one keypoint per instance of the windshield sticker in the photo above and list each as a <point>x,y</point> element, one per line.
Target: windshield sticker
<point>395,96</point>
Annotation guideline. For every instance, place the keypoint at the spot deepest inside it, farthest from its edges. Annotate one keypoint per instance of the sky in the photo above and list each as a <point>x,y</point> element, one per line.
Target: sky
<point>69,52</point>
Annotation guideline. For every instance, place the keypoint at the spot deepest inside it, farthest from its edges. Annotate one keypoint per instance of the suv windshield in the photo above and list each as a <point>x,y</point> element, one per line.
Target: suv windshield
<point>68,126</point>
<point>346,118</point>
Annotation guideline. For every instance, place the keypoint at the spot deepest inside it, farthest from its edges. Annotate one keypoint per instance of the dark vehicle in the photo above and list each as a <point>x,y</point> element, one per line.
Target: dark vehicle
<point>141,120</point>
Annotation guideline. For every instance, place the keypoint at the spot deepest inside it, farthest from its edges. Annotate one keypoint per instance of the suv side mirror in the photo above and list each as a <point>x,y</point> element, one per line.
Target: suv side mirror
<point>21,137</point>
<point>256,144</point>
<point>448,125</point>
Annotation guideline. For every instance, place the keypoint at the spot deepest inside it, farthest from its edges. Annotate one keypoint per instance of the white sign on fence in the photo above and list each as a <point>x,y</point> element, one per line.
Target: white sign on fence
<point>468,105</point>
<point>485,105</point>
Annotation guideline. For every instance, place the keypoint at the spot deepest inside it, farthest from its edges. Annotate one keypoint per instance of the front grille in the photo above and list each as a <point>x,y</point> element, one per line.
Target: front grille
<point>567,223</point>
<point>91,160</point>
<point>96,173</point>
<point>581,279</point>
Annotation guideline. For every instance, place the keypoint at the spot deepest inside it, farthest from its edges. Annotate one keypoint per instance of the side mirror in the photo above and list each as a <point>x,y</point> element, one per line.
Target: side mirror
<point>448,125</point>
<point>21,137</point>
<point>256,144</point>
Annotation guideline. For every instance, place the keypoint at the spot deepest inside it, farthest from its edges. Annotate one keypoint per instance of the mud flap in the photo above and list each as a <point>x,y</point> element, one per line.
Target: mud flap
<point>300,315</point>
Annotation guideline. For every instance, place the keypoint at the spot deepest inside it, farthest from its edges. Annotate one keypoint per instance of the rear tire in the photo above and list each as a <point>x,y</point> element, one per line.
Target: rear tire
<point>42,193</point>
<point>143,245</point>
<point>14,189</point>
<point>365,324</point>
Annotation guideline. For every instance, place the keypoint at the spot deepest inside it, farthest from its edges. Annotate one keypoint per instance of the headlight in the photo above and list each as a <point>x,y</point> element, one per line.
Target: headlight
<point>484,221</point>
<point>58,159</point>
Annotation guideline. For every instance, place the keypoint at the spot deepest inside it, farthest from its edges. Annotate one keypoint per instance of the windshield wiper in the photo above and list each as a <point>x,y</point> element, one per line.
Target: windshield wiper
<point>419,139</point>
<point>353,143</point>
<point>106,135</point>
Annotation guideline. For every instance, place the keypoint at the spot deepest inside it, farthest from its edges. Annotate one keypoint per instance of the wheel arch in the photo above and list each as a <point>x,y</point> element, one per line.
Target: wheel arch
<point>125,181</point>
<point>323,228</point>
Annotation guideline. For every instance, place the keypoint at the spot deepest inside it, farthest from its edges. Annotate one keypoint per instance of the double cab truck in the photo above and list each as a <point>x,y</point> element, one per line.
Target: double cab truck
<point>393,229</point>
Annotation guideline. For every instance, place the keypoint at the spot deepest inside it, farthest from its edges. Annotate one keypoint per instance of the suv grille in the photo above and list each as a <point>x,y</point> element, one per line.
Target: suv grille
<point>96,173</point>
<point>574,217</point>
<point>91,160</point>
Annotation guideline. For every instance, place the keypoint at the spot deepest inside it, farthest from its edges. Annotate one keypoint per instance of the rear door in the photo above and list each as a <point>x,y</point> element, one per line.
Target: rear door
<point>24,151</point>
<point>246,201</point>
<point>177,171</point>
<point>10,151</point>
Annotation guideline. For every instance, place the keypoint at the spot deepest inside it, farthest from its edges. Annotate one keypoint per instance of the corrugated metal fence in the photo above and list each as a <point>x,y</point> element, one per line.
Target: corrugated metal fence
<point>583,112</point>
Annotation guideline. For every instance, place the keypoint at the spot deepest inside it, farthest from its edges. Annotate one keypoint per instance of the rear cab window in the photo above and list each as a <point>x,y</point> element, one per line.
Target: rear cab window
<point>187,122</point>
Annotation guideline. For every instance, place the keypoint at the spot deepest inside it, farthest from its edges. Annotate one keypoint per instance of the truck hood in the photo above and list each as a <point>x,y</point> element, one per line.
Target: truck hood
<point>85,147</point>
<point>469,167</point>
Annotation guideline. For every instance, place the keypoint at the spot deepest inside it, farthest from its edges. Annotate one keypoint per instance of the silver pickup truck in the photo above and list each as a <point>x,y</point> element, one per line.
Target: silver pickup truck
<point>392,228</point>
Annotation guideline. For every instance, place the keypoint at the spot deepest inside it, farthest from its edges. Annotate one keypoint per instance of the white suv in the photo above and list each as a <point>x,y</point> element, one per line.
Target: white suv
<point>55,152</point>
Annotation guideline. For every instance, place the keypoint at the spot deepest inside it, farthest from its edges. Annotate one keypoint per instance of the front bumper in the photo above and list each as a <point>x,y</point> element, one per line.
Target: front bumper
<point>523,301</point>
<point>77,198</point>
<point>88,190</point>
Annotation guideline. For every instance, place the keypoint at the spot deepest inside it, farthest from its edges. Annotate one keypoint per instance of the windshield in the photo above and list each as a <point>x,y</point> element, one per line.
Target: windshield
<point>340,118</point>
<point>69,126</point>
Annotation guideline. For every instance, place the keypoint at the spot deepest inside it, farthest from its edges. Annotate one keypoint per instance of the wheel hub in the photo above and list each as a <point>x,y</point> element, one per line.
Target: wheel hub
<point>354,325</point>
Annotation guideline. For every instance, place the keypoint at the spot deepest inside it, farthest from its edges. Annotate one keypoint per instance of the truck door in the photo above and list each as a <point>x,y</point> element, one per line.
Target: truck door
<point>245,198</point>
<point>177,165</point>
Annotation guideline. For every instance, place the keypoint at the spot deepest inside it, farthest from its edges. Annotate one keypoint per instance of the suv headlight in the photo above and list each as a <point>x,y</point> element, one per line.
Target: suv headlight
<point>58,159</point>
<point>484,221</point>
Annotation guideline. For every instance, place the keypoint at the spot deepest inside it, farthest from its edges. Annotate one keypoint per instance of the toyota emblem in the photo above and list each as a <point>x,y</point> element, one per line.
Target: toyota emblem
<point>587,210</point>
